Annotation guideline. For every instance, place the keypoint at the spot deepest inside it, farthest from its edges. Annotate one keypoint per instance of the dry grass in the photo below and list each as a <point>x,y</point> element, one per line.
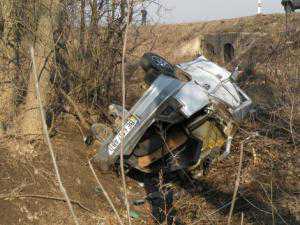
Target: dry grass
<point>267,192</point>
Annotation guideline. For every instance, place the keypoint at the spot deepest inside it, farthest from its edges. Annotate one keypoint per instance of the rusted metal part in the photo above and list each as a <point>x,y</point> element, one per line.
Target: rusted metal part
<point>174,140</point>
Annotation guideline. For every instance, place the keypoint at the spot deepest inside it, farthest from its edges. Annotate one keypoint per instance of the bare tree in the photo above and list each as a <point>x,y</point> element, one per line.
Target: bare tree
<point>82,25</point>
<point>7,69</point>
<point>52,27</point>
<point>44,45</point>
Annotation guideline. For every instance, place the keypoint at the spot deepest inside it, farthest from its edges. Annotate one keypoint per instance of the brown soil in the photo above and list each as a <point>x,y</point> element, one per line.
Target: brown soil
<point>35,177</point>
<point>263,165</point>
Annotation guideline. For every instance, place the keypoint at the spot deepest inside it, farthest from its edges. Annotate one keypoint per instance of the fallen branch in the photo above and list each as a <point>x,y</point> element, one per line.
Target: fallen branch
<point>48,197</point>
<point>237,183</point>
<point>105,193</point>
<point>129,5</point>
<point>242,219</point>
<point>76,109</point>
<point>213,213</point>
<point>47,138</point>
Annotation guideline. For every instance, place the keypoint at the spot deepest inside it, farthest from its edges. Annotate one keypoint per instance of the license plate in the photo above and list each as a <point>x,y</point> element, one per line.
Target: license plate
<point>129,125</point>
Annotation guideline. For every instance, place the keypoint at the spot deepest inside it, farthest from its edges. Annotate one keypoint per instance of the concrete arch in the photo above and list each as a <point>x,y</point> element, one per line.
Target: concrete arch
<point>220,47</point>
<point>229,52</point>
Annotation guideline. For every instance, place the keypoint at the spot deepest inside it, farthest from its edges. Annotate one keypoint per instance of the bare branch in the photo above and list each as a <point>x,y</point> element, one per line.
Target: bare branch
<point>105,194</point>
<point>129,6</point>
<point>47,138</point>
<point>237,183</point>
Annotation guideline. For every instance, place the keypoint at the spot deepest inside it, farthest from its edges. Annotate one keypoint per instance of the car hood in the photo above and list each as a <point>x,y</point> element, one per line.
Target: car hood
<point>214,79</point>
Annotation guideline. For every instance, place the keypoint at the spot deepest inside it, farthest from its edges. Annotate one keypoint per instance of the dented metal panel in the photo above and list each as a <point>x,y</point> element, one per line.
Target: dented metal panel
<point>145,113</point>
<point>214,79</point>
<point>192,98</point>
<point>202,69</point>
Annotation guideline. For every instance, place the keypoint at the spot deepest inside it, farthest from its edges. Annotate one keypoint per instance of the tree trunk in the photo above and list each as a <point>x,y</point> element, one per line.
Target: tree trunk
<point>94,21</point>
<point>1,21</point>
<point>8,69</point>
<point>31,125</point>
<point>82,26</point>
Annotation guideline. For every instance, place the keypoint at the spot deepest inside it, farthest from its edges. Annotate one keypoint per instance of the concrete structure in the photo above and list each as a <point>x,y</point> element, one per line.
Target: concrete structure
<point>219,47</point>
<point>222,47</point>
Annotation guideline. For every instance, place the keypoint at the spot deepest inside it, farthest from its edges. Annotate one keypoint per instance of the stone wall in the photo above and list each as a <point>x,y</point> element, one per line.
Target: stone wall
<point>219,47</point>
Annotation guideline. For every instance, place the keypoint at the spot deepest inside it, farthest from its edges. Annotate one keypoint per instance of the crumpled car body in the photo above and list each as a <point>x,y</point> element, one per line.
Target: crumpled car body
<point>180,124</point>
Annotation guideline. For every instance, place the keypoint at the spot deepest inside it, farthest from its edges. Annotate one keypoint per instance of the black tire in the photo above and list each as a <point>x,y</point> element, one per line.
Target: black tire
<point>153,63</point>
<point>288,8</point>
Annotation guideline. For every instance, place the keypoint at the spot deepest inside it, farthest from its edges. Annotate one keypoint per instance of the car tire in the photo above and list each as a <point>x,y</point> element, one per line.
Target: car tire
<point>153,63</point>
<point>288,8</point>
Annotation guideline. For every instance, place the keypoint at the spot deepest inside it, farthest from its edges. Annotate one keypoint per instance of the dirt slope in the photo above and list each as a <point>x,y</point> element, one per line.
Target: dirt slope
<point>165,39</point>
<point>34,177</point>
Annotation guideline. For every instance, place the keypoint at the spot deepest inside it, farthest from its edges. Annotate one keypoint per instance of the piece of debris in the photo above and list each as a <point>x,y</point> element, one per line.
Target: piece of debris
<point>134,214</point>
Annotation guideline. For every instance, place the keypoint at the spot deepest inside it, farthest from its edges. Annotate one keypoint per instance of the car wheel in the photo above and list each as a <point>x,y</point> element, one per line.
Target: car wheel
<point>151,62</point>
<point>288,8</point>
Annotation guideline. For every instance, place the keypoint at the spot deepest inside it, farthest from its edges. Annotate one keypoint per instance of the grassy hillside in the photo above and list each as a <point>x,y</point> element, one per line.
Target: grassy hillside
<point>270,176</point>
<point>165,39</point>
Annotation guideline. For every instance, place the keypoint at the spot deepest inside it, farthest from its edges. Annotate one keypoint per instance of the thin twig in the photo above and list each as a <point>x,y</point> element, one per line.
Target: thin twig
<point>271,199</point>
<point>105,194</point>
<point>47,138</point>
<point>221,208</point>
<point>48,197</point>
<point>274,209</point>
<point>76,109</point>
<point>124,114</point>
<point>213,213</point>
<point>253,205</point>
<point>242,219</point>
<point>237,183</point>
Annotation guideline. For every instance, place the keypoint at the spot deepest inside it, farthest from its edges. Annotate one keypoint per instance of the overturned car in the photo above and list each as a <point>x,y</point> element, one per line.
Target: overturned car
<point>178,124</point>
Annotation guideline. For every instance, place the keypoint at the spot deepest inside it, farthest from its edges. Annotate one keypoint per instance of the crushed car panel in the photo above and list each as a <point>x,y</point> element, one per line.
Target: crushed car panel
<point>178,124</point>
